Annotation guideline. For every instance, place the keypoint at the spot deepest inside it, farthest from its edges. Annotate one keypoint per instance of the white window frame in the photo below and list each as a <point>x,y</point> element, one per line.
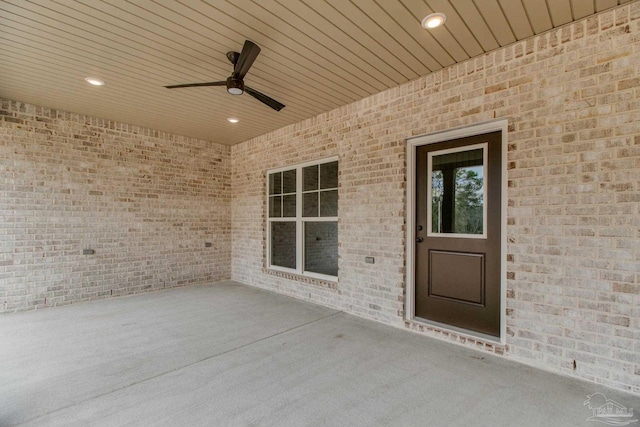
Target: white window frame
<point>299,220</point>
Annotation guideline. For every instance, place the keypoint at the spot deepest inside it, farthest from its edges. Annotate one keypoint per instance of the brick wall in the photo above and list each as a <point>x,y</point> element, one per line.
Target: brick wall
<point>145,201</point>
<point>572,99</point>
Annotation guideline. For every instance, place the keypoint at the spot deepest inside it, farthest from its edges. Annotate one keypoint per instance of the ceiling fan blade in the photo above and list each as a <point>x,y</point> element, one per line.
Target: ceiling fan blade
<point>222,83</point>
<point>264,99</point>
<point>249,53</point>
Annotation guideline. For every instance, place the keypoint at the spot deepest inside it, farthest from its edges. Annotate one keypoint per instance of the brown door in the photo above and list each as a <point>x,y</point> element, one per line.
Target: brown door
<point>458,232</point>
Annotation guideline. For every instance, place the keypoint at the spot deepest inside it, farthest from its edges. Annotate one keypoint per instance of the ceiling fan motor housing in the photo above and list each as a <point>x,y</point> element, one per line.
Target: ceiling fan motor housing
<point>235,86</point>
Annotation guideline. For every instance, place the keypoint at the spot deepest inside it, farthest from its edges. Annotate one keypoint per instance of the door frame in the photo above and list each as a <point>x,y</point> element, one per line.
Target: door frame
<point>412,144</point>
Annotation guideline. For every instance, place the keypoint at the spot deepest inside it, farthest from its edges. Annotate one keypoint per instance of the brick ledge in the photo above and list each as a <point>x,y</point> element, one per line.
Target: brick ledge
<point>302,279</point>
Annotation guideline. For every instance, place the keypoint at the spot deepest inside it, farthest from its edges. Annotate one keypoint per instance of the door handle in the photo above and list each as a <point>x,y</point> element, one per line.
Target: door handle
<point>419,240</point>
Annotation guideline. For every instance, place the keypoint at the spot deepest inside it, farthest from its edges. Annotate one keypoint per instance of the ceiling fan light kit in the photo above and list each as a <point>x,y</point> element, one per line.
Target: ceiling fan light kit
<point>235,86</point>
<point>235,82</point>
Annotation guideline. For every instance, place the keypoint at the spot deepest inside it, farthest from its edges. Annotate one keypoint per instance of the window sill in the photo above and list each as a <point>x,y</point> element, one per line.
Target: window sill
<point>329,284</point>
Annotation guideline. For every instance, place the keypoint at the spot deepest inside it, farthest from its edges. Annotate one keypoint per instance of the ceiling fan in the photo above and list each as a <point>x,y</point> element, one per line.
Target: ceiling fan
<point>235,82</point>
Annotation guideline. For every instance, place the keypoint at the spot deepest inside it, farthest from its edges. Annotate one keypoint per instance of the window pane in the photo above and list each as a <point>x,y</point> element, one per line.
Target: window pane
<point>329,175</point>
<point>436,201</point>
<point>289,181</point>
<point>289,206</point>
<point>283,244</point>
<point>275,203</point>
<point>310,178</point>
<point>275,183</point>
<point>310,204</point>
<point>457,192</point>
<point>321,247</point>
<point>469,200</point>
<point>329,203</point>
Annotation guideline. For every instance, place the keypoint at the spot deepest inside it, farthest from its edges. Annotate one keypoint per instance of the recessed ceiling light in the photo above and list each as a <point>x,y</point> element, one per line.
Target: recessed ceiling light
<point>94,81</point>
<point>233,120</point>
<point>434,20</point>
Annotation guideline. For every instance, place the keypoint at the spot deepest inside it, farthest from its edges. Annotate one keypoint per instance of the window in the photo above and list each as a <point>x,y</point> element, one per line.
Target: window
<point>457,192</point>
<point>302,225</point>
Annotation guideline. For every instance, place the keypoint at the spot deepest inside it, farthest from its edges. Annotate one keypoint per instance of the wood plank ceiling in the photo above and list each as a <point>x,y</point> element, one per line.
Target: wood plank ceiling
<point>316,54</point>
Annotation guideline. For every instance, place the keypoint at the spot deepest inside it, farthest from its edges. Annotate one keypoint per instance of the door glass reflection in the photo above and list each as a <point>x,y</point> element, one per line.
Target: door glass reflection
<point>457,192</point>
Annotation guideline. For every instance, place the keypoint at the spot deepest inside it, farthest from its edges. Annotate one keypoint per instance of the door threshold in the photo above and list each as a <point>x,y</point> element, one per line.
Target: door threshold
<point>489,339</point>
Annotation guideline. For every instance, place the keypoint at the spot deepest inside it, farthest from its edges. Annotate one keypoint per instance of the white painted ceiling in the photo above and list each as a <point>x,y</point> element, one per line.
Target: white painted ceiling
<point>316,54</point>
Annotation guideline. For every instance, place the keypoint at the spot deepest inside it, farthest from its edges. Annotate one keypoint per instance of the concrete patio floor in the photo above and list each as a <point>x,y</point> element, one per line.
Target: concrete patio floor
<point>232,355</point>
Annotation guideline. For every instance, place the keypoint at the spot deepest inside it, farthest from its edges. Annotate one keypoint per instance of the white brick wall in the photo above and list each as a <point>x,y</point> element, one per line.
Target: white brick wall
<point>145,201</point>
<point>572,98</point>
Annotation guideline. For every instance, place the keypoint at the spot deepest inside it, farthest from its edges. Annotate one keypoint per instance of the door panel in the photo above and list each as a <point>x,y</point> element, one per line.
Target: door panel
<point>458,236</point>
<point>457,276</point>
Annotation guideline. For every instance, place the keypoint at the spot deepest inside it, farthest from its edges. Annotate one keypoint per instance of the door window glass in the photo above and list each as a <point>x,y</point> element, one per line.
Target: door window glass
<point>457,191</point>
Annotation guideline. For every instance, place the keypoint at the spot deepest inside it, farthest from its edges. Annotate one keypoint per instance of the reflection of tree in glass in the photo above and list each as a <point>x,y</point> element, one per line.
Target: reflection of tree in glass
<point>437,189</point>
<point>469,200</point>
